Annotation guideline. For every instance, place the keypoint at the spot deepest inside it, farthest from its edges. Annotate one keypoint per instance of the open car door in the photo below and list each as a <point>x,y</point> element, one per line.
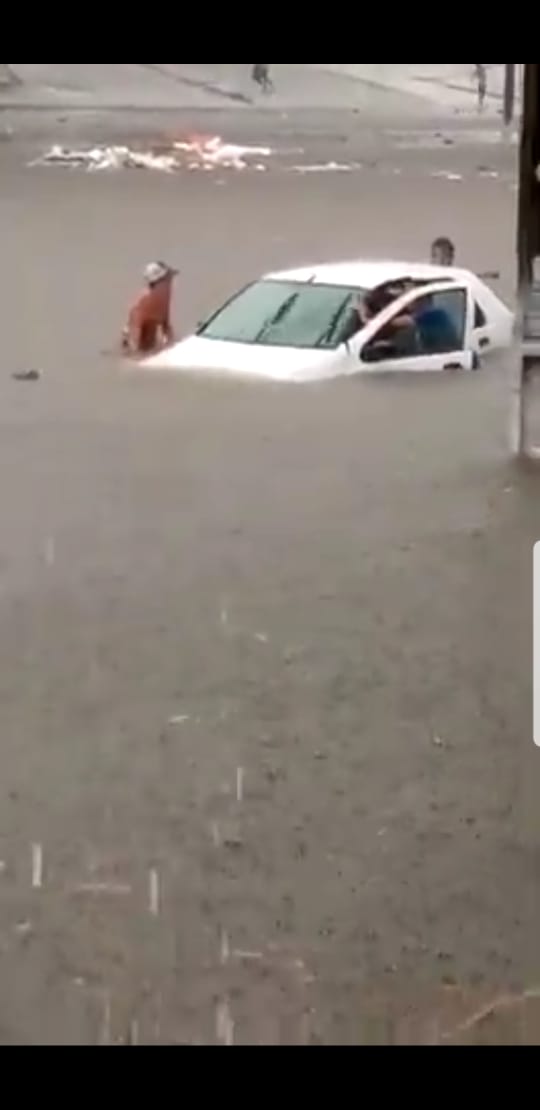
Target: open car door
<point>428,330</point>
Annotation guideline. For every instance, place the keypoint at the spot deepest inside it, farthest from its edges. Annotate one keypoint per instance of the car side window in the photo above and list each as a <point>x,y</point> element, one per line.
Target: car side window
<point>442,321</point>
<point>480,318</point>
<point>433,324</point>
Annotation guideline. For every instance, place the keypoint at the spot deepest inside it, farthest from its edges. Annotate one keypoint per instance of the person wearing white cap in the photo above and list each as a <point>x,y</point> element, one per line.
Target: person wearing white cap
<point>149,326</point>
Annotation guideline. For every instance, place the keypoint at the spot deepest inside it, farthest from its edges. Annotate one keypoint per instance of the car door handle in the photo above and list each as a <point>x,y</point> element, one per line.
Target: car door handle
<point>453,366</point>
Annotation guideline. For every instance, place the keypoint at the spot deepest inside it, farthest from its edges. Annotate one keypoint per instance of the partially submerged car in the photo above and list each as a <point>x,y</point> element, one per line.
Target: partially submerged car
<point>295,326</point>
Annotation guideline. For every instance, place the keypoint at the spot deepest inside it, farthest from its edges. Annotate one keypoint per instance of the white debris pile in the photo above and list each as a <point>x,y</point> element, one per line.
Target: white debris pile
<point>195,153</point>
<point>213,153</point>
<point>107,158</point>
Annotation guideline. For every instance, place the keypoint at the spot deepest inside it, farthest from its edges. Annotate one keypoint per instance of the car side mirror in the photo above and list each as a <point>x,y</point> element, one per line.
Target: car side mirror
<point>378,352</point>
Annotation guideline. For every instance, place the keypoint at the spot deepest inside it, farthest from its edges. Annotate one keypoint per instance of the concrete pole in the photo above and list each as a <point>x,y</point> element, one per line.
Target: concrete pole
<point>509,93</point>
<point>528,264</point>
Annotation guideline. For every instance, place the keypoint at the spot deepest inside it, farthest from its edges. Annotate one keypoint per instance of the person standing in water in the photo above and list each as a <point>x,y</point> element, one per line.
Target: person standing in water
<point>149,328</point>
<point>443,252</point>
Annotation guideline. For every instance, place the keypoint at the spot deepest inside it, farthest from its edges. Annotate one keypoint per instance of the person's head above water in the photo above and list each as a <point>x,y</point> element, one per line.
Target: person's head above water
<point>443,252</point>
<point>156,272</point>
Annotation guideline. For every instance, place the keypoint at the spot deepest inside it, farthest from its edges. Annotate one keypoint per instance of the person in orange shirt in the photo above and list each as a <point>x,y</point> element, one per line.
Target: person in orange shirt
<point>149,326</point>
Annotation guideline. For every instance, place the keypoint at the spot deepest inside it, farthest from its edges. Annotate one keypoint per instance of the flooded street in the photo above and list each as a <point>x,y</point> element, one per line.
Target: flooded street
<point>265,652</point>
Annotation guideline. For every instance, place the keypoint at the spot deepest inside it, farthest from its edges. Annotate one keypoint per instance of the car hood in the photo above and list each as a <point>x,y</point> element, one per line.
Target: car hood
<point>279,364</point>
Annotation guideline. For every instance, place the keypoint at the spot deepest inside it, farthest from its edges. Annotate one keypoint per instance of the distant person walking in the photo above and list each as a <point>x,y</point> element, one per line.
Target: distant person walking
<point>480,72</point>
<point>262,78</point>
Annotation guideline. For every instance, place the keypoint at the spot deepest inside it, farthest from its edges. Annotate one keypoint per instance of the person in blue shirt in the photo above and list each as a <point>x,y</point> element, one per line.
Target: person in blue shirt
<point>436,329</point>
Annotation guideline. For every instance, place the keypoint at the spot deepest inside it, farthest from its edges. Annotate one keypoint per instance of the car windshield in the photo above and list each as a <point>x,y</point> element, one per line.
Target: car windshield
<point>285,314</point>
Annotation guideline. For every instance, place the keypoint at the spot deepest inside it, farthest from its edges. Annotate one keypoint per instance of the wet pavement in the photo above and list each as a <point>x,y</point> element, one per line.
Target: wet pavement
<point>265,675</point>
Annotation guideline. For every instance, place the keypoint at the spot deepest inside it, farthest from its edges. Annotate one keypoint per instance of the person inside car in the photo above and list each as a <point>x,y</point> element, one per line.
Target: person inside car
<point>437,332</point>
<point>368,307</point>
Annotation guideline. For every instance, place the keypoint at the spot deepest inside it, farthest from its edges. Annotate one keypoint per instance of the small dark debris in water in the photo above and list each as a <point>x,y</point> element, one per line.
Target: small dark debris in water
<point>232,838</point>
<point>450,982</point>
<point>27,376</point>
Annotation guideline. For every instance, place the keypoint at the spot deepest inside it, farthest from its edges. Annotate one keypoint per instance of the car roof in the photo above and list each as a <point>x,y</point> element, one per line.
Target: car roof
<point>370,274</point>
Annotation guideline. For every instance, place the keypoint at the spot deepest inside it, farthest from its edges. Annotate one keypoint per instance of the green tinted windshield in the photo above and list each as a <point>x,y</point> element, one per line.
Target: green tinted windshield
<point>285,314</point>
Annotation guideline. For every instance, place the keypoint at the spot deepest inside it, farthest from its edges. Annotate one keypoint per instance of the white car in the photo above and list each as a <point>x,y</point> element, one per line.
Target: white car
<point>295,326</point>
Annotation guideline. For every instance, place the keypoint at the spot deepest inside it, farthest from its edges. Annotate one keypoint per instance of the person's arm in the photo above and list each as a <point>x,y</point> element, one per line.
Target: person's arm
<point>405,321</point>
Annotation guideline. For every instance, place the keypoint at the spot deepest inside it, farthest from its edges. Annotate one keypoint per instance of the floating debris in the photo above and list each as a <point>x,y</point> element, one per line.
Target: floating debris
<point>27,376</point>
<point>133,1038</point>
<point>213,153</point>
<point>37,866</point>
<point>225,949</point>
<point>503,1004</point>
<point>232,839</point>
<point>225,1028</point>
<point>112,890</point>
<point>448,176</point>
<point>195,153</point>
<point>106,158</point>
<point>328,167</point>
<point>106,1023</point>
<point>24,929</point>
<point>154,893</point>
